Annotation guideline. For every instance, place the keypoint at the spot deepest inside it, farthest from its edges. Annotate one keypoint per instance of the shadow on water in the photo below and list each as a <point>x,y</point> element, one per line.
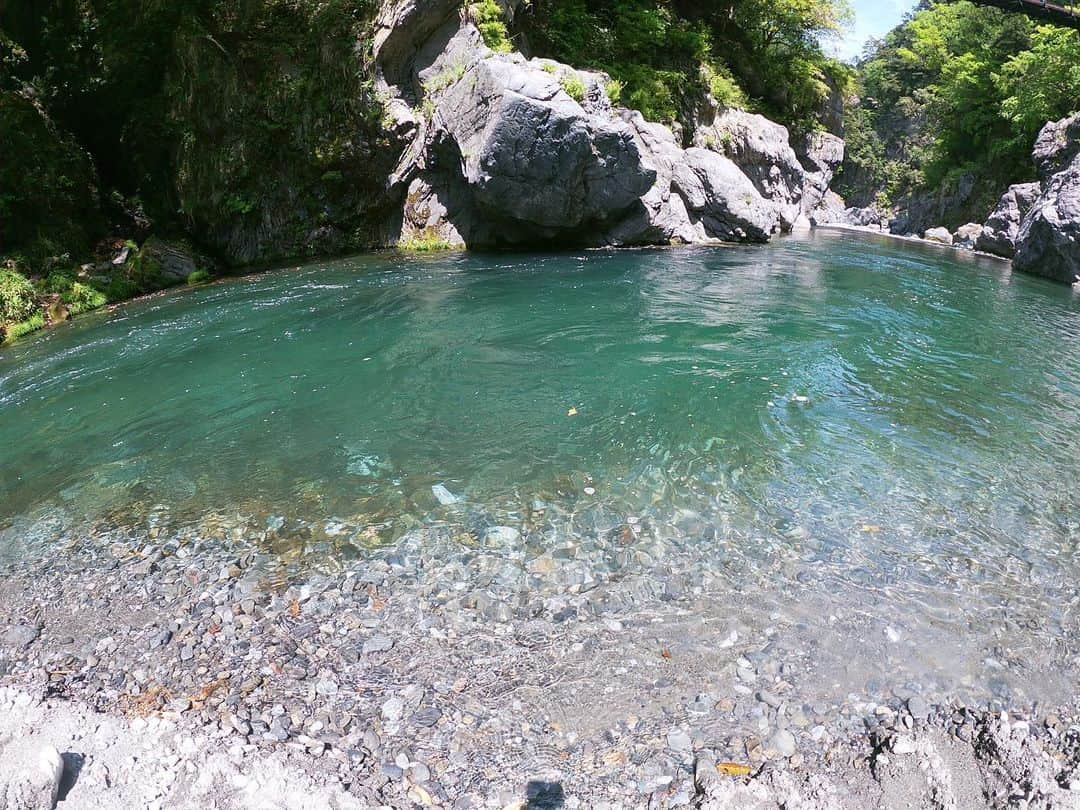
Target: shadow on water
<point>542,795</point>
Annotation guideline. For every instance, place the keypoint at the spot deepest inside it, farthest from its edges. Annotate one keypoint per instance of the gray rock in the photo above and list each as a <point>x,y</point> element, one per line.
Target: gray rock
<point>679,741</point>
<point>922,211</point>
<point>1001,228</point>
<point>444,496</point>
<point>1048,243</point>
<point>502,536</point>
<point>392,709</point>
<point>768,698</point>
<point>940,235</point>
<point>36,789</point>
<point>377,644</point>
<point>966,235</point>
<point>918,707</point>
<point>425,718</point>
<point>500,154</point>
<point>20,636</point>
<point>762,150</point>
<point>392,770</point>
<point>831,210</point>
<point>783,742</point>
<point>821,155</point>
<point>174,260</point>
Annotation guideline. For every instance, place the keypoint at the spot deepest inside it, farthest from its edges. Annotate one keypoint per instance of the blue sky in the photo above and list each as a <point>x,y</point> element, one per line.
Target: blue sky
<point>872,19</point>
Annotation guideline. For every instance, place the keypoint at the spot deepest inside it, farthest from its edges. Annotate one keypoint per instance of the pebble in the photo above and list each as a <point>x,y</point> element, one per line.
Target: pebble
<point>679,741</point>
<point>918,708</point>
<point>444,496</point>
<point>783,742</point>
<point>377,644</point>
<point>768,698</point>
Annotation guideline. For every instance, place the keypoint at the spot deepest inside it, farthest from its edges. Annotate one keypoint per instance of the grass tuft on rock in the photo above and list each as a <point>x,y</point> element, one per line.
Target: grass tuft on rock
<point>574,86</point>
<point>426,242</point>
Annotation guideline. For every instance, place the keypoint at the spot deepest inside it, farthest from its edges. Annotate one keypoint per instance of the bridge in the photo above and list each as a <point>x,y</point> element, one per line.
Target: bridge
<point>1056,13</point>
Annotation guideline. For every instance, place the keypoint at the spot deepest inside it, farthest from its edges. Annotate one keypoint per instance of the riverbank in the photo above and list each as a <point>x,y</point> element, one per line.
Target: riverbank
<point>174,672</point>
<point>873,230</point>
<point>160,761</point>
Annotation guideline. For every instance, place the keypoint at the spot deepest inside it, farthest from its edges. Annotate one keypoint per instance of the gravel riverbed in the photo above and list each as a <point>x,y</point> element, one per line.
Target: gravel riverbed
<point>212,666</point>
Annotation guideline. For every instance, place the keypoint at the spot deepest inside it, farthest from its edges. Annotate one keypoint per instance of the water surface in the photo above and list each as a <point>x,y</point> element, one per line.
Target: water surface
<point>870,419</point>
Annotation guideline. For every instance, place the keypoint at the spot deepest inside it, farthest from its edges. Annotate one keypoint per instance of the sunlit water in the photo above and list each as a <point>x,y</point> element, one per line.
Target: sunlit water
<point>900,420</point>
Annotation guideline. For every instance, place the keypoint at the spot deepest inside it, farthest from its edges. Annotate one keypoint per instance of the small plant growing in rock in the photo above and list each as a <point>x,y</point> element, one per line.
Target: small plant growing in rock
<point>198,277</point>
<point>614,90</point>
<point>446,78</point>
<point>574,86</point>
<point>488,17</point>
<point>550,67</point>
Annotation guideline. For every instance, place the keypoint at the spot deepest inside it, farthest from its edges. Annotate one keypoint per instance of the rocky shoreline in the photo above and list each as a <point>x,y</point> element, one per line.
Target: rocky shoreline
<point>416,676</point>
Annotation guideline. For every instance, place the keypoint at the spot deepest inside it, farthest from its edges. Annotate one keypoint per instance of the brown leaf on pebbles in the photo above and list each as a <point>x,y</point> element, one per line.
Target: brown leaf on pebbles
<point>665,653</point>
<point>204,694</point>
<point>294,608</point>
<point>733,769</point>
<point>146,702</point>
<point>377,602</point>
<point>615,757</point>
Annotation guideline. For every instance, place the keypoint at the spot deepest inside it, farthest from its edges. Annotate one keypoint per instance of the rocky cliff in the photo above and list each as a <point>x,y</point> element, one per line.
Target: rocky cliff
<point>503,150</point>
<point>1048,241</point>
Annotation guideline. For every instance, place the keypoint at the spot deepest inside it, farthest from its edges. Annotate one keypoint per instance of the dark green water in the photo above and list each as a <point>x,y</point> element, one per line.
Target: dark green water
<point>939,389</point>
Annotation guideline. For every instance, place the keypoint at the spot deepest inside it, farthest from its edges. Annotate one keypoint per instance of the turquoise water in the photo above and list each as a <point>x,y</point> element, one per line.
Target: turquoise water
<point>807,386</point>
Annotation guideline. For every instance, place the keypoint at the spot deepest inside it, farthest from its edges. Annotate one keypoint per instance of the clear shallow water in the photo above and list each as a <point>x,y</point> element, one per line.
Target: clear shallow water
<point>882,420</point>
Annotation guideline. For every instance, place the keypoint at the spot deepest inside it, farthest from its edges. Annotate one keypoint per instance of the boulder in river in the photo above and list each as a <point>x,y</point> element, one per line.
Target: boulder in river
<point>1001,228</point>
<point>1048,243</point>
<point>939,235</point>
<point>506,150</point>
<point>966,235</point>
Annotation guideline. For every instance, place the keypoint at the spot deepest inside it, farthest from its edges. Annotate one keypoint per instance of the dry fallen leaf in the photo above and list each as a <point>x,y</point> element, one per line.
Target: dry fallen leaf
<point>614,757</point>
<point>733,769</point>
<point>294,608</point>
<point>665,653</point>
<point>572,412</point>
<point>870,527</point>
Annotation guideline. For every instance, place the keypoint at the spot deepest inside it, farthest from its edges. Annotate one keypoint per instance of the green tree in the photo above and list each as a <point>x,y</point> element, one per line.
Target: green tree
<point>1041,84</point>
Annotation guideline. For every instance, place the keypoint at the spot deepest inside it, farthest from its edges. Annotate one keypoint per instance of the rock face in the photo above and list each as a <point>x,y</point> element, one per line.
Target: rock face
<point>1001,228</point>
<point>921,212</point>
<point>821,155</point>
<point>505,151</point>
<point>1048,243</point>
<point>762,150</point>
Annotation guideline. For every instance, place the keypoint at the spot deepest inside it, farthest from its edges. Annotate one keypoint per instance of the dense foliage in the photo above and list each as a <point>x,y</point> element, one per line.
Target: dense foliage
<point>251,124</point>
<point>216,114</point>
<point>764,54</point>
<point>958,90</point>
